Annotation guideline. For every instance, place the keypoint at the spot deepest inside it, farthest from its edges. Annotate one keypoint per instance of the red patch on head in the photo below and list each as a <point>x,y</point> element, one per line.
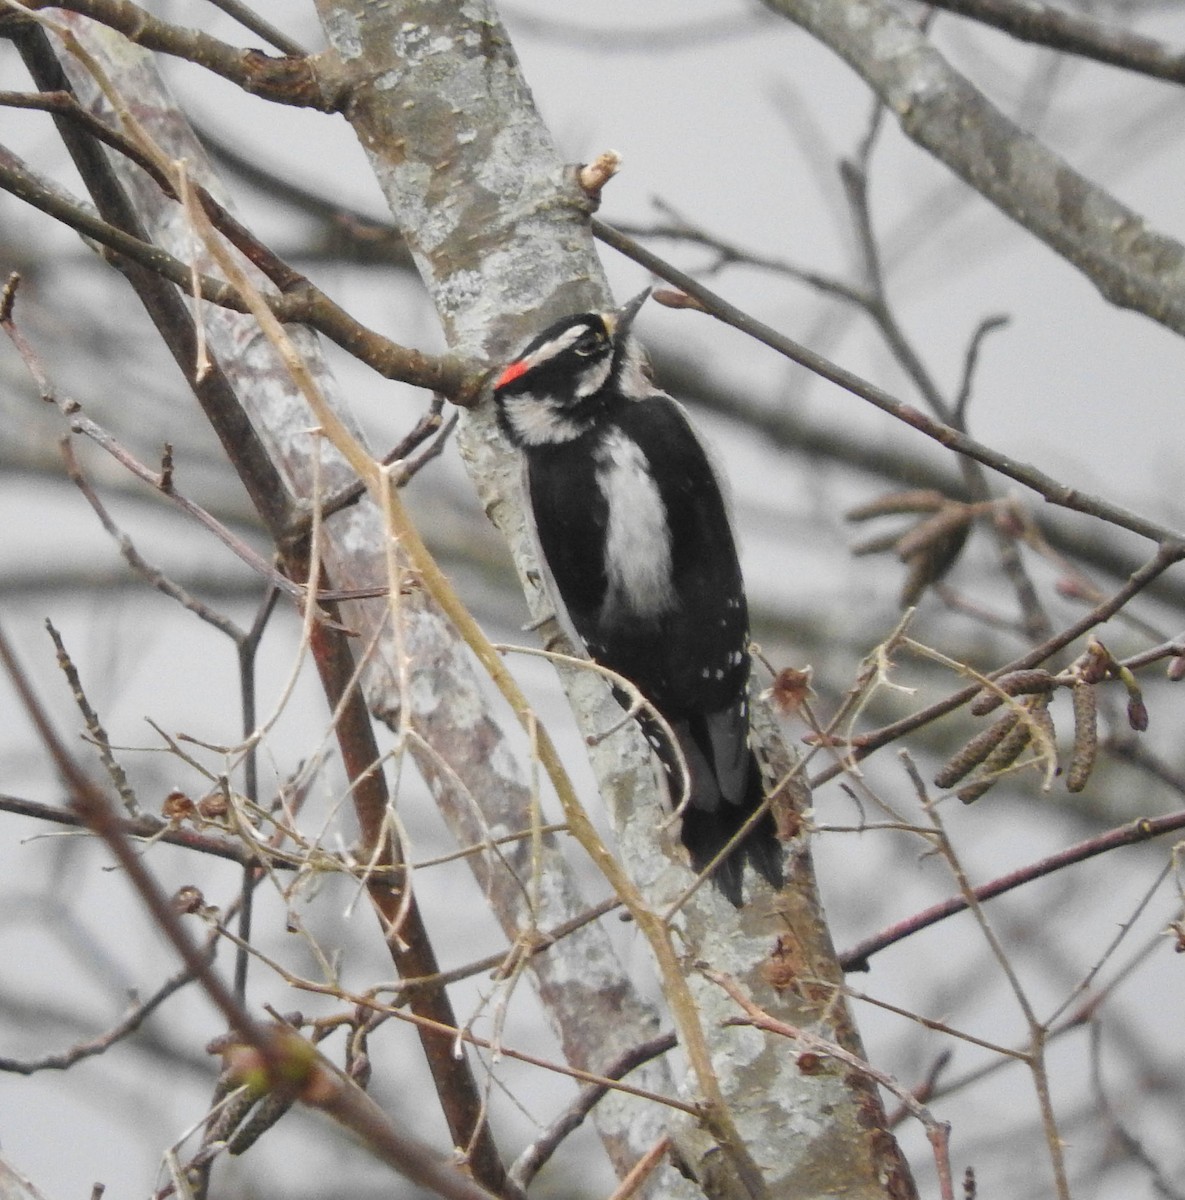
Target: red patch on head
<point>510,374</point>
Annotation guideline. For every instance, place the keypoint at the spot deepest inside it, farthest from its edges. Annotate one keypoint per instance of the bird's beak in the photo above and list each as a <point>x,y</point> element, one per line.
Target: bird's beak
<point>623,318</point>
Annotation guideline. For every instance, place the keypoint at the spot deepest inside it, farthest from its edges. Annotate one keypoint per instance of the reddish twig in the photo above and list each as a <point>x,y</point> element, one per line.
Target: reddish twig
<point>856,959</point>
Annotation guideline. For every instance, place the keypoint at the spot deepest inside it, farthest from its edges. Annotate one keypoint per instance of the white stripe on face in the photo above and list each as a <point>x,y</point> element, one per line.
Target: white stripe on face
<point>539,423</point>
<point>556,346</point>
<point>594,376</point>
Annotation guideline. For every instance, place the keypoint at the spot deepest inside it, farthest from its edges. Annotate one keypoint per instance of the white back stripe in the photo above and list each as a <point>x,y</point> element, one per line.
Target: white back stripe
<point>638,537</point>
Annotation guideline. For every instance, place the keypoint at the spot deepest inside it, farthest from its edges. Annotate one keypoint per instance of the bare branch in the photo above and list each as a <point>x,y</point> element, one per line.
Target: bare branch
<point>535,1156</point>
<point>308,305</point>
<point>286,80</point>
<point>137,1014</point>
<point>1041,483</point>
<point>868,743</point>
<point>1131,265</point>
<point>1074,33</point>
<point>856,958</point>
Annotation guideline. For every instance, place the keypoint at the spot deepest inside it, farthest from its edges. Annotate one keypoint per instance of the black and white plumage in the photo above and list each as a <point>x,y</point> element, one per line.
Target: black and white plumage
<point>632,528</point>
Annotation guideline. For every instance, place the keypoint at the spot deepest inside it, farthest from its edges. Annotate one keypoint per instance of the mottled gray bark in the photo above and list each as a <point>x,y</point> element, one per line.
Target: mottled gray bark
<point>583,985</point>
<point>496,224</point>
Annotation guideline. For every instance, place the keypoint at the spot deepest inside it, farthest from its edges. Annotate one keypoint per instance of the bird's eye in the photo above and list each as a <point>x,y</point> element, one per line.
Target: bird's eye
<point>587,343</point>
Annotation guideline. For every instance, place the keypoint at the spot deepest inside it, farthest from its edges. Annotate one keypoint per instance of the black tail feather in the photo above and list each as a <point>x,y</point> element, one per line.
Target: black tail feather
<point>706,832</point>
<point>711,820</point>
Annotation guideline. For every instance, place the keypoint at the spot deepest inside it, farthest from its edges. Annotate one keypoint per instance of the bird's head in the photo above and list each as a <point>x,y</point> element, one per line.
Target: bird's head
<point>552,390</point>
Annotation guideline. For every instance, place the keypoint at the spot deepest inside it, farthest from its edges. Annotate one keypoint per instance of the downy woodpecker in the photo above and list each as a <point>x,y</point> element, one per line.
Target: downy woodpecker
<point>632,528</point>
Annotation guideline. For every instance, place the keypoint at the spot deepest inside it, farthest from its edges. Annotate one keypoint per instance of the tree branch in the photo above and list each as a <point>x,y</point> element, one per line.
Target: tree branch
<point>856,958</point>
<point>285,80</point>
<point>1131,265</point>
<point>953,439</point>
<point>1074,33</point>
<point>307,304</point>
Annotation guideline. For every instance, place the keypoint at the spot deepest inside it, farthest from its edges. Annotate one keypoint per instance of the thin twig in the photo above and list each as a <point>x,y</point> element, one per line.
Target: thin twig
<point>535,1156</point>
<point>1038,1032</point>
<point>856,958</point>
<point>636,1178</point>
<point>250,19</point>
<point>290,79</point>
<point>286,1061</point>
<point>1038,481</point>
<point>307,305</point>
<point>1166,556</point>
<point>94,726</point>
<point>1074,33</point>
<point>136,1015</point>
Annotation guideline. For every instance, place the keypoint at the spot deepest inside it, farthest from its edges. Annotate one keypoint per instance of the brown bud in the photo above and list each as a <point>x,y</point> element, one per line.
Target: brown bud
<point>177,806</point>
<point>213,806</point>
<point>188,899</point>
<point>810,1063</point>
<point>1095,663</point>
<point>670,298</point>
<point>1137,710</point>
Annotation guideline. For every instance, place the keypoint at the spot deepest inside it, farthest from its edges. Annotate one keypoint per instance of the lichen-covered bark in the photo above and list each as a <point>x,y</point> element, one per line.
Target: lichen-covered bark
<point>497,227</point>
<point>581,981</point>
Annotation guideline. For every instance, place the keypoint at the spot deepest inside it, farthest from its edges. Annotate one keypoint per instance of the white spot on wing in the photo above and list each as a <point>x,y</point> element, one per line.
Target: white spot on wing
<point>638,538</point>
